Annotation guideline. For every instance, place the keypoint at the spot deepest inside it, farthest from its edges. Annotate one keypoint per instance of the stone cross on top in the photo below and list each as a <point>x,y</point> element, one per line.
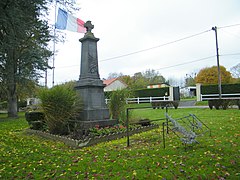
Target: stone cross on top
<point>88,25</point>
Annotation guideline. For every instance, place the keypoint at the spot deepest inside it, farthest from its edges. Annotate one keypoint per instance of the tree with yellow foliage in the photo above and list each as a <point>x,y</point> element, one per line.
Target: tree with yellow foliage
<point>209,75</point>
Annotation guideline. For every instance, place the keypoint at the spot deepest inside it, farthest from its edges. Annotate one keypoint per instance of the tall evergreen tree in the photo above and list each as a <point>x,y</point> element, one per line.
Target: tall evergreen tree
<point>24,37</point>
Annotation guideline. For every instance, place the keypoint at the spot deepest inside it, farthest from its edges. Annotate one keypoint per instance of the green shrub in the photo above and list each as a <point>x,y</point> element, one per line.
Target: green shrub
<point>117,104</point>
<point>35,120</point>
<point>107,94</point>
<point>223,103</point>
<point>34,116</point>
<point>60,104</point>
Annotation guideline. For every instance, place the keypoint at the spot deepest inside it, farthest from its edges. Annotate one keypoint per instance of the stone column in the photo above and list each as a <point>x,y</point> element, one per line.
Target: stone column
<point>171,93</point>
<point>89,85</point>
<point>198,92</point>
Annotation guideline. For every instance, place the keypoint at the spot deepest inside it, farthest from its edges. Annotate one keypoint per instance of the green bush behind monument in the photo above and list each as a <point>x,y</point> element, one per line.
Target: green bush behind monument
<point>117,104</point>
<point>59,104</point>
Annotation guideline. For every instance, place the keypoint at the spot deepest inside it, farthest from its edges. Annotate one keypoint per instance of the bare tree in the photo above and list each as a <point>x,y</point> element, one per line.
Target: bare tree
<point>114,75</point>
<point>235,71</point>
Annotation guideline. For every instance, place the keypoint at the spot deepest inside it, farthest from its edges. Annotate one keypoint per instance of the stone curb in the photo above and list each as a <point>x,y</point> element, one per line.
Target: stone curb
<point>89,141</point>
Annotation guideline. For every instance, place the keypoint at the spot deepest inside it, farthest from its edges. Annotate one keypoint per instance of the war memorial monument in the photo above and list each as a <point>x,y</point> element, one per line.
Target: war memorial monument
<point>90,86</point>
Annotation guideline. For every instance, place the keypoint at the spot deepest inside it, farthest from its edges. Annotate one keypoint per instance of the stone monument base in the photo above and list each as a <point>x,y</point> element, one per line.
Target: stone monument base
<point>94,114</point>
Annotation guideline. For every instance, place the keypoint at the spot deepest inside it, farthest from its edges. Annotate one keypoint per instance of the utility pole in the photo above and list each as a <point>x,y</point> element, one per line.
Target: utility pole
<point>218,66</point>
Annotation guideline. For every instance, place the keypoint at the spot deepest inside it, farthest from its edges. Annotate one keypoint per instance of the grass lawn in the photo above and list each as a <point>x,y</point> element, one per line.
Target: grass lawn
<point>201,103</point>
<point>216,157</point>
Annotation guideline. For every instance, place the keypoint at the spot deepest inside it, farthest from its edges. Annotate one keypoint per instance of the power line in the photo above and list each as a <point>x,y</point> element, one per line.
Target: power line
<point>228,26</point>
<point>230,33</point>
<point>189,62</point>
<point>193,61</point>
<point>202,59</point>
<point>233,54</point>
<point>165,44</point>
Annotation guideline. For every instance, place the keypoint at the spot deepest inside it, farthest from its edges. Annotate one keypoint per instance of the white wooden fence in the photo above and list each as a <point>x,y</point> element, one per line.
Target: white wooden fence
<point>205,97</point>
<point>139,100</point>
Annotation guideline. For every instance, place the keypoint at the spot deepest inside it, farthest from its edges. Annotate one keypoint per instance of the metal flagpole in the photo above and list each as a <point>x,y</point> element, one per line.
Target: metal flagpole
<point>54,42</point>
<point>46,78</point>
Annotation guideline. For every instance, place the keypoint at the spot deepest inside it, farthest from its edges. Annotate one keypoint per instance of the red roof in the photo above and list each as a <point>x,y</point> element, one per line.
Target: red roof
<point>109,81</point>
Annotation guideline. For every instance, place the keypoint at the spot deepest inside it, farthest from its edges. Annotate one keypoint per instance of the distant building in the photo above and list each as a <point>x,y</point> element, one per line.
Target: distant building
<point>157,85</point>
<point>188,91</point>
<point>33,101</point>
<point>113,84</point>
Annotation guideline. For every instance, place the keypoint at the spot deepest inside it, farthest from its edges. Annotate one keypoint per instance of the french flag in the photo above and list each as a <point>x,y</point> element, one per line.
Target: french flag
<point>66,21</point>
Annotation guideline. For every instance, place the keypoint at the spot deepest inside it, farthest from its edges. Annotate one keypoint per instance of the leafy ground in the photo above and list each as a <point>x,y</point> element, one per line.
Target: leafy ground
<point>216,157</point>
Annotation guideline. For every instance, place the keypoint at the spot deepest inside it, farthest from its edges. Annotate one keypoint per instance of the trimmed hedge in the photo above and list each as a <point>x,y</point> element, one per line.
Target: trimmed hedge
<point>35,120</point>
<point>153,92</point>
<point>226,89</point>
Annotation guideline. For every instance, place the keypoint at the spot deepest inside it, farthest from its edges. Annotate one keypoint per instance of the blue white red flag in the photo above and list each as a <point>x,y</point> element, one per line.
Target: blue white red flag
<point>66,21</point>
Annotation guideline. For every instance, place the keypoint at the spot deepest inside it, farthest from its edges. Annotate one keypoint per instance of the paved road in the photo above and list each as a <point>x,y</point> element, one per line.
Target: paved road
<point>187,103</point>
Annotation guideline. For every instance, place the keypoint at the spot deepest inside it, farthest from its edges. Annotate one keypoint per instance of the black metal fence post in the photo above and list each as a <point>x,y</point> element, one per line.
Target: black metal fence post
<point>163,124</point>
<point>128,143</point>
<point>167,118</point>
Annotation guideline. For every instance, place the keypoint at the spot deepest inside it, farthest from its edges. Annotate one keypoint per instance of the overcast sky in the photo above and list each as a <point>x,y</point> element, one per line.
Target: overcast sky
<point>157,29</point>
